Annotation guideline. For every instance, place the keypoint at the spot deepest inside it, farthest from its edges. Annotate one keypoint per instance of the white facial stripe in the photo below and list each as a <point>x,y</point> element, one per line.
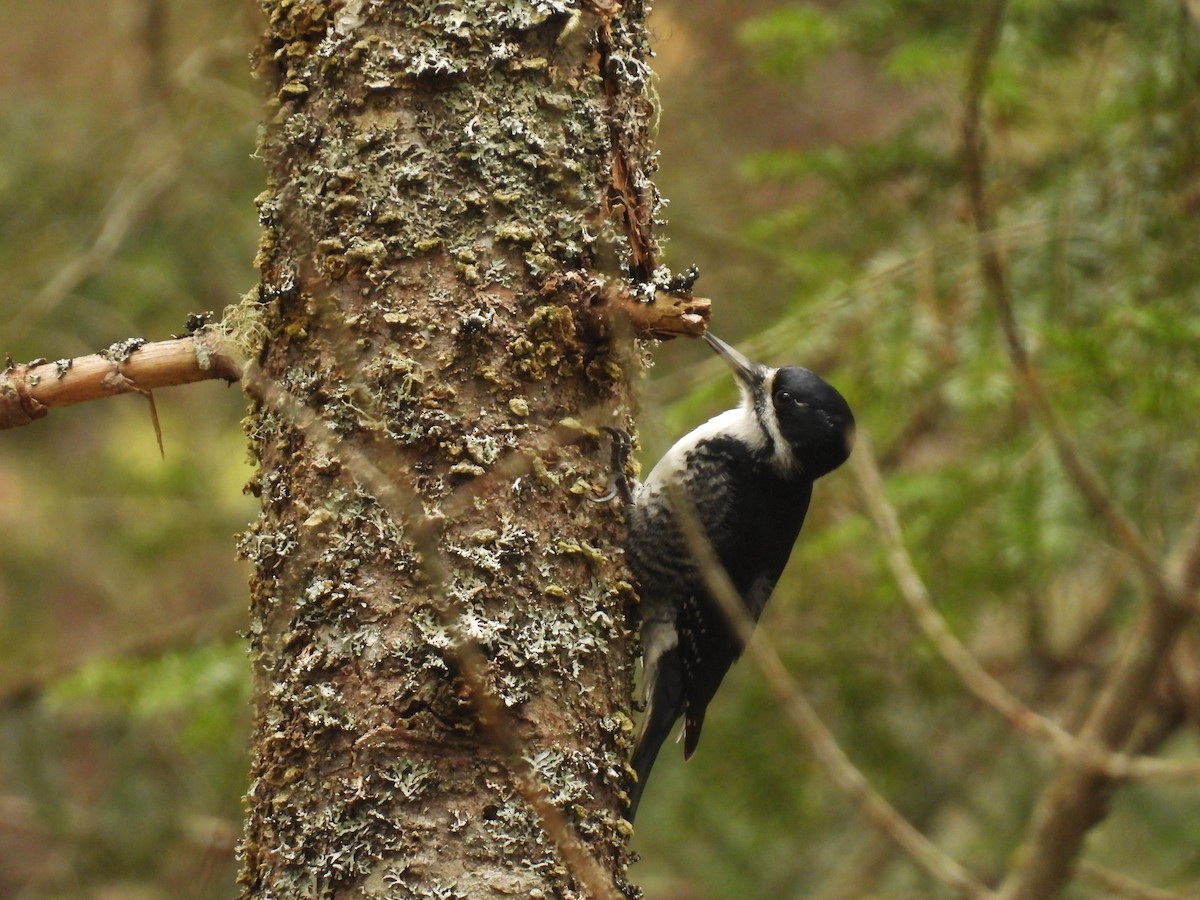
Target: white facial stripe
<point>782,457</point>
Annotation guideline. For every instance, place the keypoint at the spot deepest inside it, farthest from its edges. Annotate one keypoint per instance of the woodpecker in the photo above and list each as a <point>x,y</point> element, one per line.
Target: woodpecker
<point>748,474</point>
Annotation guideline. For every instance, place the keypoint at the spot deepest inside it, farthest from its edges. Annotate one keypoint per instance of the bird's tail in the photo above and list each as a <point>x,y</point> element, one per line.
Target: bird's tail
<point>663,706</point>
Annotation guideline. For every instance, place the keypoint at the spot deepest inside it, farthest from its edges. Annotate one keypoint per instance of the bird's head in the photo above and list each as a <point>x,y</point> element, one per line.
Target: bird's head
<point>806,424</point>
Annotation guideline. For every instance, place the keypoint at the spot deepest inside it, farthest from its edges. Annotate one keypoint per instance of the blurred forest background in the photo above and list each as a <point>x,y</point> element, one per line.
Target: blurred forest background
<point>813,161</point>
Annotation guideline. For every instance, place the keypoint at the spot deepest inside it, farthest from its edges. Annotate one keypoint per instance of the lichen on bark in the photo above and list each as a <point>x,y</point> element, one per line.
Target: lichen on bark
<point>430,167</point>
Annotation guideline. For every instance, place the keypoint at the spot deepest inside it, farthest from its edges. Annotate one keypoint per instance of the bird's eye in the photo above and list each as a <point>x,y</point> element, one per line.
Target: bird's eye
<point>783,398</point>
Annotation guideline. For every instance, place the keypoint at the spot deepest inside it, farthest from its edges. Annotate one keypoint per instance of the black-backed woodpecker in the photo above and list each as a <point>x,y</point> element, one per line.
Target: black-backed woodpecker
<point>748,474</point>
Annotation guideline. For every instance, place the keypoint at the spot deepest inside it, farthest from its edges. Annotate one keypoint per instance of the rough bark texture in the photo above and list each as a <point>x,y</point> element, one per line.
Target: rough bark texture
<point>434,169</point>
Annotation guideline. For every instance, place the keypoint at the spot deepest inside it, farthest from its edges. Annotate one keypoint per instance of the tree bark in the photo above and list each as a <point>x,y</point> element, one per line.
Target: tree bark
<point>446,183</point>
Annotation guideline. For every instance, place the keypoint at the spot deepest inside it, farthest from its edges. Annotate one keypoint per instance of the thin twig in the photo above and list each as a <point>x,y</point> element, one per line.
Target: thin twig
<point>969,670</point>
<point>1117,884</point>
<point>858,871</point>
<point>938,865</point>
<point>915,594</point>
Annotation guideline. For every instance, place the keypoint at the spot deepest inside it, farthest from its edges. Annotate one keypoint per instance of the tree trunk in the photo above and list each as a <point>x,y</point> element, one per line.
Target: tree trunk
<point>443,180</point>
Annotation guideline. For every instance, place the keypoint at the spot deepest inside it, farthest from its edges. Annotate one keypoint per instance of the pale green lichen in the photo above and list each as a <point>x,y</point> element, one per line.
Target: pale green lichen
<point>436,201</point>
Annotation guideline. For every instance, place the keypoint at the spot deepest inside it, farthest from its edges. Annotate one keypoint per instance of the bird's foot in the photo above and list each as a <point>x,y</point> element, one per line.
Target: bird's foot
<point>618,481</point>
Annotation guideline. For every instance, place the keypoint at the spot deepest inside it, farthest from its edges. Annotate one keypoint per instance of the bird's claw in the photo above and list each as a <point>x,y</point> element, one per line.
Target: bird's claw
<point>618,482</point>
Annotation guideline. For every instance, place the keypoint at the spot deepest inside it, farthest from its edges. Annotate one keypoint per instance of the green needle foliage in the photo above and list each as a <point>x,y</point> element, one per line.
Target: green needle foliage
<point>1092,173</point>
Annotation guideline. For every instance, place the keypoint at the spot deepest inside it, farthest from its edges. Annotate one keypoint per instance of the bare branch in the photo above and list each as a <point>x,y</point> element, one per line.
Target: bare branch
<point>858,870</point>
<point>1077,799</point>
<point>973,675</point>
<point>30,391</point>
<point>821,741</point>
<point>1089,766</point>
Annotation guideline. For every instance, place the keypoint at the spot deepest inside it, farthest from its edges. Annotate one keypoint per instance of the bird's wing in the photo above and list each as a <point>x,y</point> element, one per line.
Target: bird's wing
<point>687,644</point>
<point>752,525</point>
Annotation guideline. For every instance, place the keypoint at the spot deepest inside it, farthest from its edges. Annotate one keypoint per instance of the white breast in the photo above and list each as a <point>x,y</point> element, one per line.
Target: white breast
<point>739,424</point>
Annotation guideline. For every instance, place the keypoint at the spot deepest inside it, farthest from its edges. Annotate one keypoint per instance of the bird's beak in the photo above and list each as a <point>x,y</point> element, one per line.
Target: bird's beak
<point>750,373</point>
